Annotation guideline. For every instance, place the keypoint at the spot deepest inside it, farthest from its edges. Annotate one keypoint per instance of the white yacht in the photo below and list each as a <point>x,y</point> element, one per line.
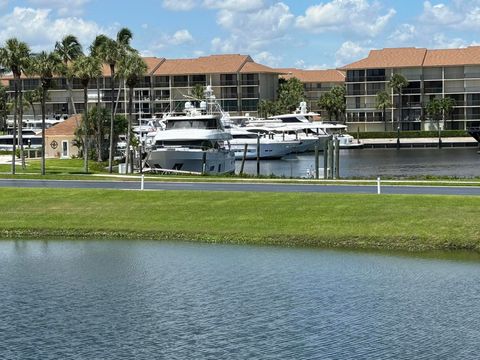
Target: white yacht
<point>195,142</point>
<point>271,146</point>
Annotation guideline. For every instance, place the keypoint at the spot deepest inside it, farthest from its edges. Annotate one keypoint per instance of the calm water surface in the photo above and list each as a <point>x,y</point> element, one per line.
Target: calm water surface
<point>460,162</point>
<point>153,300</point>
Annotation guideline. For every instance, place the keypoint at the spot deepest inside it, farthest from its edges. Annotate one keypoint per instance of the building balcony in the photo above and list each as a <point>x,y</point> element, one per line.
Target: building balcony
<point>249,82</point>
<point>228,83</point>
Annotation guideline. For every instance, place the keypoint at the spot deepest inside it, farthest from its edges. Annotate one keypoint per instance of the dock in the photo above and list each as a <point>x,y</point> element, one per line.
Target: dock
<point>447,142</point>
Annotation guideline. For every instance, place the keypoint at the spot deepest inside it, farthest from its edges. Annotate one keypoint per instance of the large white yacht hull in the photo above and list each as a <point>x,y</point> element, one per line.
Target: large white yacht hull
<point>219,161</point>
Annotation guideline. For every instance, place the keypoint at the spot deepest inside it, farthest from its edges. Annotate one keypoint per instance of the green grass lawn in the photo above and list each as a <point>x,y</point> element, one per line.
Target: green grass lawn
<point>408,222</point>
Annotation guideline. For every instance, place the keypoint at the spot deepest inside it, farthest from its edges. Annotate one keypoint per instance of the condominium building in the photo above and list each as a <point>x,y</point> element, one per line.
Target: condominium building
<point>453,73</point>
<point>238,83</point>
<point>315,83</point>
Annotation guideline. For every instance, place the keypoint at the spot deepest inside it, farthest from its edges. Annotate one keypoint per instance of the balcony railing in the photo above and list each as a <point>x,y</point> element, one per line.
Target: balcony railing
<point>161,84</point>
<point>228,83</point>
<point>250,82</point>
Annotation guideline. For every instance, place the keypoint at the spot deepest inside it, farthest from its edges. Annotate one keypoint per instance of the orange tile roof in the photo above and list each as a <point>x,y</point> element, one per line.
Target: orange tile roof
<point>4,82</point>
<point>66,127</point>
<point>253,67</point>
<point>313,76</point>
<point>152,64</point>
<point>453,57</point>
<point>213,64</point>
<point>390,58</point>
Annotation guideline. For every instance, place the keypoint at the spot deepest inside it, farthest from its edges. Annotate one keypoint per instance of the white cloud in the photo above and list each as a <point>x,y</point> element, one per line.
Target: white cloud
<point>267,58</point>
<point>181,37</point>
<point>251,31</point>
<point>40,30</point>
<point>350,52</point>
<point>3,3</point>
<point>179,5</point>
<point>440,41</point>
<point>234,5</point>
<point>350,16</point>
<point>302,64</point>
<point>63,8</point>
<point>403,34</point>
<point>439,14</point>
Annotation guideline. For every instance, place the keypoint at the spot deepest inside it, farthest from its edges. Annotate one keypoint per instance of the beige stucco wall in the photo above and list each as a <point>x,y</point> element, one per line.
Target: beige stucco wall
<point>50,152</point>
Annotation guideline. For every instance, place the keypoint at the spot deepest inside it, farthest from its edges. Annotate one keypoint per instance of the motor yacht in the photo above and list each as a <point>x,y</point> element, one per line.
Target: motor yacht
<point>196,142</point>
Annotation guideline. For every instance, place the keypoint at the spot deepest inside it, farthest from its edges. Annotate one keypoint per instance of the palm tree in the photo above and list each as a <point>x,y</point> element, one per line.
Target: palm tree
<point>111,51</point>
<point>32,97</point>
<point>69,49</point>
<point>198,92</point>
<point>447,106</point>
<point>327,103</point>
<point>397,83</point>
<point>383,102</point>
<point>15,56</point>
<point>132,68</point>
<point>435,109</point>
<point>45,66</point>
<point>86,68</point>
<point>338,93</point>
<point>95,52</point>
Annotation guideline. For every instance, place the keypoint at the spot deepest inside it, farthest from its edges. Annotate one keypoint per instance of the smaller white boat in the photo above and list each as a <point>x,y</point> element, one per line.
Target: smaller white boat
<point>271,146</point>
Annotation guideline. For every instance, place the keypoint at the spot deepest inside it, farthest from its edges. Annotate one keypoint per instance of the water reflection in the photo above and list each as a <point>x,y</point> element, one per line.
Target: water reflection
<point>136,299</point>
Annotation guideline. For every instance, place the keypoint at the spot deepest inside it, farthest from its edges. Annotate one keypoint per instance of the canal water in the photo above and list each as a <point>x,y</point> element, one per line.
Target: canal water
<point>155,300</point>
<point>370,163</point>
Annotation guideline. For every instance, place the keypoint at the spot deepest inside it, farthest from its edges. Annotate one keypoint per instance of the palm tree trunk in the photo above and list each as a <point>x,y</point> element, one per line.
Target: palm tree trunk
<point>44,96</point>
<point>85,128</point>
<point>400,107</point>
<point>20,128</point>
<point>70,96</point>
<point>100,125</point>
<point>384,114</point>
<point>110,150</point>
<point>14,137</point>
<point>129,126</point>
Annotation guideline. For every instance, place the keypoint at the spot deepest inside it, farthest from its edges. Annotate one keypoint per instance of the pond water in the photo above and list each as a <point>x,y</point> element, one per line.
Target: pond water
<point>154,300</point>
<point>370,163</point>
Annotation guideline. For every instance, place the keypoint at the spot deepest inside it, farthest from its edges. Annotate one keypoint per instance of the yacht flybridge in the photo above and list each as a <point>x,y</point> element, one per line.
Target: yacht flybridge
<point>195,142</point>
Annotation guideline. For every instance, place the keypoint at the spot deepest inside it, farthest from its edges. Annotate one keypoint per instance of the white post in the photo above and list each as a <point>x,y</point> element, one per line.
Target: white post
<point>378,186</point>
<point>143,181</point>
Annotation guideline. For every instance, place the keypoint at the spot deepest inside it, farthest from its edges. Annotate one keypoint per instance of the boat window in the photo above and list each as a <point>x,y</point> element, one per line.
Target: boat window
<point>192,124</point>
<point>292,119</point>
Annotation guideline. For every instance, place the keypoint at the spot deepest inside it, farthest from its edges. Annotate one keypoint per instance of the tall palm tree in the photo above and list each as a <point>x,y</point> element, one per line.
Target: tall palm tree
<point>15,55</point>
<point>435,109</point>
<point>45,66</point>
<point>95,52</point>
<point>447,106</point>
<point>397,83</point>
<point>384,101</point>
<point>111,51</point>
<point>132,68</point>
<point>86,68</point>
<point>32,97</point>
<point>69,49</point>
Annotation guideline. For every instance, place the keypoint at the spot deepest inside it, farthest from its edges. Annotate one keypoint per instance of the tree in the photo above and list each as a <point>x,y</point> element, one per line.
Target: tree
<point>3,108</point>
<point>397,83</point>
<point>198,92</point>
<point>327,103</point>
<point>111,51</point>
<point>45,66</point>
<point>132,68</point>
<point>15,56</point>
<point>86,68</point>
<point>383,102</point>
<point>69,49</point>
<point>95,52</point>
<point>447,106</point>
<point>435,109</point>
<point>32,97</point>
<point>268,108</point>
<point>333,102</point>
<point>291,93</point>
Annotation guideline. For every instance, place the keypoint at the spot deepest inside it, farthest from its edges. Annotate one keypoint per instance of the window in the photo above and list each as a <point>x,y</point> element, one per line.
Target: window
<point>376,75</point>
<point>228,79</point>
<point>180,81</point>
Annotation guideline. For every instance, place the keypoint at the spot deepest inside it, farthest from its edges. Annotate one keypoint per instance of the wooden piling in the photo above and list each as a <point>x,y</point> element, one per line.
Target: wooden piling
<point>244,157</point>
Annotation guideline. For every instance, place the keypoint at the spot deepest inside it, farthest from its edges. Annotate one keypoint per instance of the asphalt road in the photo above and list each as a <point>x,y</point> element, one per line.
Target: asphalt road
<point>250,187</point>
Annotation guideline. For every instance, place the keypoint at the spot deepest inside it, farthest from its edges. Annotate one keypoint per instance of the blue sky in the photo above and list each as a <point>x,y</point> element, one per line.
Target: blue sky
<point>288,33</point>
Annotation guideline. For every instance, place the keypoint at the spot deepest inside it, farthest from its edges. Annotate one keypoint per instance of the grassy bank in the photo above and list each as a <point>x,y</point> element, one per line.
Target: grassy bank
<point>291,219</point>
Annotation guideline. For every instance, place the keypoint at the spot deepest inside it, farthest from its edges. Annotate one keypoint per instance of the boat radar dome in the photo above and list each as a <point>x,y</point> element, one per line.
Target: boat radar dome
<point>203,105</point>
<point>303,107</point>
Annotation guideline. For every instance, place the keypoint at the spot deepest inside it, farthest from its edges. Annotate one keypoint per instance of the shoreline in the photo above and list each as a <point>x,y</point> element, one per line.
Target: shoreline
<point>352,221</point>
